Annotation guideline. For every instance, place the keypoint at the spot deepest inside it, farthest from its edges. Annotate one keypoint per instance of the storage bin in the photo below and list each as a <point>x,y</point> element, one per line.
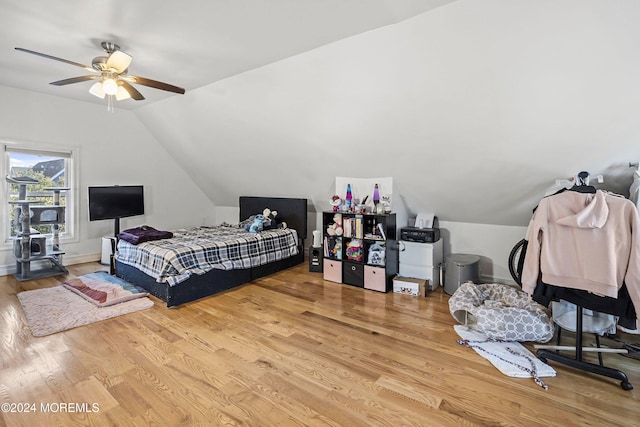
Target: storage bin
<point>353,274</point>
<point>375,278</point>
<point>332,270</point>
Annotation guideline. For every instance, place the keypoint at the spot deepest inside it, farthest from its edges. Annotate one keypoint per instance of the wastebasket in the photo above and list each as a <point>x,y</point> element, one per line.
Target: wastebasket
<point>460,268</point>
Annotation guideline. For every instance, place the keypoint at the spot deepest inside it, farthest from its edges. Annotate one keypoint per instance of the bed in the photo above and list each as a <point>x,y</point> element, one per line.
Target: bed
<point>197,283</point>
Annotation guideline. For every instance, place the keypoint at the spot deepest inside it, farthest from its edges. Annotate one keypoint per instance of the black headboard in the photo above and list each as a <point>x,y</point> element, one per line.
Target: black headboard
<point>291,211</point>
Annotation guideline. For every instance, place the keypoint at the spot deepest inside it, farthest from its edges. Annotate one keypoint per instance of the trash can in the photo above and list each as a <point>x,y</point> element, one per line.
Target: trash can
<point>460,268</point>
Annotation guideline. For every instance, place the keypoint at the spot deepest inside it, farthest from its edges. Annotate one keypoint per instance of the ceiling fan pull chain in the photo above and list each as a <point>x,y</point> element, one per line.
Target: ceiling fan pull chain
<point>110,103</point>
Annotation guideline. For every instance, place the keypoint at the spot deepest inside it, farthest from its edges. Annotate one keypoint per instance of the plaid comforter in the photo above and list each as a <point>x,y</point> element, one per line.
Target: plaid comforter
<point>201,249</point>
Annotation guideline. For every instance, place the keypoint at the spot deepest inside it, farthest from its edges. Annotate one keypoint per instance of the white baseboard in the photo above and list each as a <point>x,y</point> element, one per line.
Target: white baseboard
<point>6,270</point>
<point>502,280</point>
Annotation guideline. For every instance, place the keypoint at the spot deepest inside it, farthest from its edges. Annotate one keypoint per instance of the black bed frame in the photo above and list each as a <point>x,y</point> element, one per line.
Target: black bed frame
<point>292,211</point>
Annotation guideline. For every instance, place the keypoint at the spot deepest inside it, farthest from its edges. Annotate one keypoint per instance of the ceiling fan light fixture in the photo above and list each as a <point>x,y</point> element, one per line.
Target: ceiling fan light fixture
<point>109,86</point>
<point>97,90</point>
<point>122,94</point>
<point>119,61</point>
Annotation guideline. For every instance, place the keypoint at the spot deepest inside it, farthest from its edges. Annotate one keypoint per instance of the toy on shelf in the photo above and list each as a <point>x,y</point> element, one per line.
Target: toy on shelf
<point>333,248</point>
<point>385,202</point>
<point>376,254</point>
<point>336,201</point>
<point>335,228</point>
<point>355,250</point>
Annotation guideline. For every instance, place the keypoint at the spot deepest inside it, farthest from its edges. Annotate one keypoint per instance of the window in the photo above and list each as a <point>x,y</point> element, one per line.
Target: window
<point>52,168</point>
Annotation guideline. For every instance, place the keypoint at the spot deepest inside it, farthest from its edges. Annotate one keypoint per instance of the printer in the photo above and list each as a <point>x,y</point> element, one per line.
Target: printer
<point>426,230</point>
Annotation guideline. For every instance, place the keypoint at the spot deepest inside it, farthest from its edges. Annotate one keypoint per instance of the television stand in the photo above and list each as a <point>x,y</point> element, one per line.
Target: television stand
<point>114,246</point>
<point>116,228</point>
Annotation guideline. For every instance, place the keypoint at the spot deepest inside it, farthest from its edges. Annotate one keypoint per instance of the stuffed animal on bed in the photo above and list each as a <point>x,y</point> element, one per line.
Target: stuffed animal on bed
<point>270,219</point>
<point>256,225</point>
<point>271,222</point>
<point>264,221</point>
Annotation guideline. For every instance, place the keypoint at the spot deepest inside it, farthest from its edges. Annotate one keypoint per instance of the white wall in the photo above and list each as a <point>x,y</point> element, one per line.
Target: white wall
<point>113,149</point>
<point>493,243</point>
<point>474,108</point>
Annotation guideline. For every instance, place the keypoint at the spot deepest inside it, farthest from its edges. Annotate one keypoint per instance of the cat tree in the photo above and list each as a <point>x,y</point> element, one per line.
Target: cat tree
<point>29,245</point>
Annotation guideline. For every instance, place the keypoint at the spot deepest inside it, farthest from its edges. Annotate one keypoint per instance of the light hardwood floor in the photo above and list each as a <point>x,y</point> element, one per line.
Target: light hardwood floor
<point>288,349</point>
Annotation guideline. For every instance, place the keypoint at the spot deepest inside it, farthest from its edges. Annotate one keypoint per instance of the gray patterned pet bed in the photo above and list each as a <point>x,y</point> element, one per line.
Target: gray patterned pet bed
<point>501,312</point>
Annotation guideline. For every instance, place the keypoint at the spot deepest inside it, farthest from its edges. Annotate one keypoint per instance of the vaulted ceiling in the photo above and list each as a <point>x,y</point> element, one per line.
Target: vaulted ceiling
<point>188,43</point>
<point>475,108</point>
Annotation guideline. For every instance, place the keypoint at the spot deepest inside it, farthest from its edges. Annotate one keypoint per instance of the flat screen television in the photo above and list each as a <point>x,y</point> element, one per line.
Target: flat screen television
<point>115,202</point>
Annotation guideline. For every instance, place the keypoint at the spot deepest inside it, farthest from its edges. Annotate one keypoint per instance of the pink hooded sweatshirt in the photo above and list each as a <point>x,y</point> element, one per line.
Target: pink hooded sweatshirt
<point>588,241</point>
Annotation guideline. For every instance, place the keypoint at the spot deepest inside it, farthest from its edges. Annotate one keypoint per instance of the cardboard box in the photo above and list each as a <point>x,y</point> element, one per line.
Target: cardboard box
<point>410,286</point>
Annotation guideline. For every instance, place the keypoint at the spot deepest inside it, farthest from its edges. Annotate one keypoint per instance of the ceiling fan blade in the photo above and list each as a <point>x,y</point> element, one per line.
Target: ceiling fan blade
<point>133,92</point>
<point>44,55</point>
<point>119,61</point>
<point>155,84</point>
<point>74,80</point>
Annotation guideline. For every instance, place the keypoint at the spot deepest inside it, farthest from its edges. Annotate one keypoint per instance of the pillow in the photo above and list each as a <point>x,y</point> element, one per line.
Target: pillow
<point>501,312</point>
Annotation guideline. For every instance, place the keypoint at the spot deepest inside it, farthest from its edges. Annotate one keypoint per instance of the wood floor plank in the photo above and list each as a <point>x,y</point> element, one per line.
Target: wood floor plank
<point>288,349</point>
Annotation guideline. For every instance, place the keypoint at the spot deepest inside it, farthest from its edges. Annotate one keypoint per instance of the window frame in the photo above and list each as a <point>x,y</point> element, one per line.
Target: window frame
<point>71,154</point>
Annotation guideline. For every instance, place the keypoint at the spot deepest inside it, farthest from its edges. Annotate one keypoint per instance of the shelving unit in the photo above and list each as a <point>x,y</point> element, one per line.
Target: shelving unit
<point>365,255</point>
<point>30,245</point>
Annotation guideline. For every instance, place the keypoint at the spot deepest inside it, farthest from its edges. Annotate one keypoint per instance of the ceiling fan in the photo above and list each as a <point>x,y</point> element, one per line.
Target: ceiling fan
<point>113,80</point>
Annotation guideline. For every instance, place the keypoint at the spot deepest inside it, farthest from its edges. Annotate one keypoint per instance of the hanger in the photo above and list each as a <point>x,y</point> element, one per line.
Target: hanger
<point>583,189</point>
<point>582,184</point>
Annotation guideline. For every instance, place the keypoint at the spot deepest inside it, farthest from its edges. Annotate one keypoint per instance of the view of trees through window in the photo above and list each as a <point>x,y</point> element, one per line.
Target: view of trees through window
<point>49,170</point>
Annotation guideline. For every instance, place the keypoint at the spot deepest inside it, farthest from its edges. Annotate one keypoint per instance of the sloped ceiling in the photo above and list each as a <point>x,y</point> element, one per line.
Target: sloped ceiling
<point>188,43</point>
<point>474,108</point>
